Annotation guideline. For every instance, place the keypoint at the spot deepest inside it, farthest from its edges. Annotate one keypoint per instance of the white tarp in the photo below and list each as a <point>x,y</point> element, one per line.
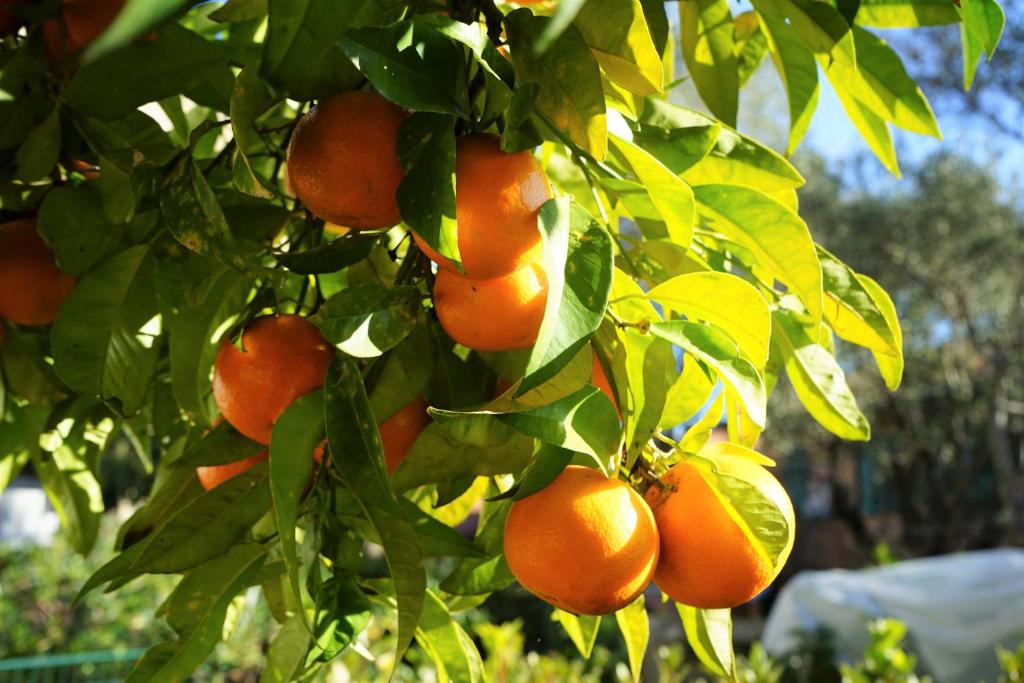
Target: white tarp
<point>957,609</point>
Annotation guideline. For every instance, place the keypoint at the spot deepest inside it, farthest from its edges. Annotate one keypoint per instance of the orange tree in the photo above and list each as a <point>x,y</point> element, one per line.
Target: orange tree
<point>348,271</point>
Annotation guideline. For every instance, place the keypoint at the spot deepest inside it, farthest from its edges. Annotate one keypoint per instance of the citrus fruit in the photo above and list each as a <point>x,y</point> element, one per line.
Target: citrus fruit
<point>80,23</point>
<point>586,543</point>
<point>32,287</point>
<point>283,357</point>
<point>215,475</point>
<point>343,160</point>
<point>498,314</point>
<point>706,560</point>
<point>497,197</point>
<point>398,432</point>
<point>600,380</point>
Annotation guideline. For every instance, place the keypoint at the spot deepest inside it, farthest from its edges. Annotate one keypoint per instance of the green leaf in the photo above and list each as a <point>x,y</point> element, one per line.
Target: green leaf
<point>820,25</point>
<point>871,126</point>
<point>687,395</point>
<point>581,629</point>
<point>578,263</point>
<point>548,462</point>
<point>206,527</point>
<point>342,612</point>
<point>366,320</point>
<point>678,137</point>
<point>71,218</point>
<point>819,382</point>
<point>751,46</point>
<point>480,576</point>
<point>706,38</point>
<point>38,154</point>
<point>68,472</point>
<point>671,197</point>
<point>435,457</point>
<point>709,632</point>
<point>20,427</point>
<point>436,538</point>
<point>635,630</point>
<point>287,652</point>
<point>413,65</point>
<point>331,257</point>
<point>426,196</point>
<point>853,314</point>
<point>104,337</point>
<point>474,36</point>
<point>297,433</point>
<point>568,76</point>
<point>777,237</point>
<point>906,13</point>
<point>301,52</point>
<point>221,445</point>
<point>719,352</point>
<point>358,460</point>
<point>882,85</point>
<point>725,300</point>
<point>116,84</point>
<point>127,141</point>
<point>193,318</point>
<point>194,216</point>
<point>700,431</point>
<point>250,98</point>
<point>798,70</point>
<point>135,19</point>
<point>172,489</point>
<point>617,34</point>
<point>196,610</point>
<point>754,498</point>
<point>985,20</point>
<point>240,10</point>
<point>890,367</point>
<point>447,643</point>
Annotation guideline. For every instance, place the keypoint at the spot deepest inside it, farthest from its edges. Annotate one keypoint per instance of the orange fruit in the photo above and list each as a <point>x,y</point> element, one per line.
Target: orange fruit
<point>80,23</point>
<point>32,287</point>
<point>284,357</point>
<point>215,475</point>
<point>586,543</point>
<point>706,559</point>
<point>497,197</point>
<point>400,431</point>
<point>343,160</point>
<point>600,380</point>
<point>499,314</point>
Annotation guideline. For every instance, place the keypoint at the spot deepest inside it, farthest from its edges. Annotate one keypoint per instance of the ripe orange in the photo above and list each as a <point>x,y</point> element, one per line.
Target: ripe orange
<point>497,197</point>
<point>343,160</point>
<point>215,475</point>
<point>80,23</point>
<point>586,544</point>
<point>399,431</point>
<point>706,559</point>
<point>285,357</point>
<point>499,314</point>
<point>32,287</point>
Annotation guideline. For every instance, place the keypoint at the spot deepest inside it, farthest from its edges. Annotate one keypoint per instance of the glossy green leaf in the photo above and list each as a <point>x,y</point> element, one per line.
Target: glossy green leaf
<point>40,150</point>
<point>114,85</point>
<point>287,652</point>
<point>196,610</point>
<point>135,19</point>
<point>619,37</point>
<point>20,427</point>
<point>700,431</point>
<point>357,458</point>
<point>413,65</point>
<point>688,393</point>
<point>889,366</point>
<point>367,320</point>
<point>871,126</point>
<point>820,26</point>
<point>447,643</point>
<point>709,632</point>
<point>678,137</point>
<point>817,378</point>
<point>103,338</point>
<point>297,433</point>
<point>172,489</point>
<point>301,52</point>
<point>221,445</point>
<point>725,300</point>
<point>578,263</point>
<point>635,630</point>
<point>671,197</point>
<point>906,13</point>
<point>240,10</point>
<point>777,237</point>
<point>720,353</point>
<point>250,97</point>
<point>569,80</point>
<point>797,68</point>
<point>751,46</point>
<point>548,462</point>
<point>330,257</point>
<point>426,196</point>
<point>985,20</point>
<point>581,629</point>
<point>706,37</point>
<point>71,218</point>
<point>342,613</point>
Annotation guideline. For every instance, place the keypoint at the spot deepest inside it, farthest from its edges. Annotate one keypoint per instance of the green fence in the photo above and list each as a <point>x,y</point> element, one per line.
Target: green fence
<point>94,667</point>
